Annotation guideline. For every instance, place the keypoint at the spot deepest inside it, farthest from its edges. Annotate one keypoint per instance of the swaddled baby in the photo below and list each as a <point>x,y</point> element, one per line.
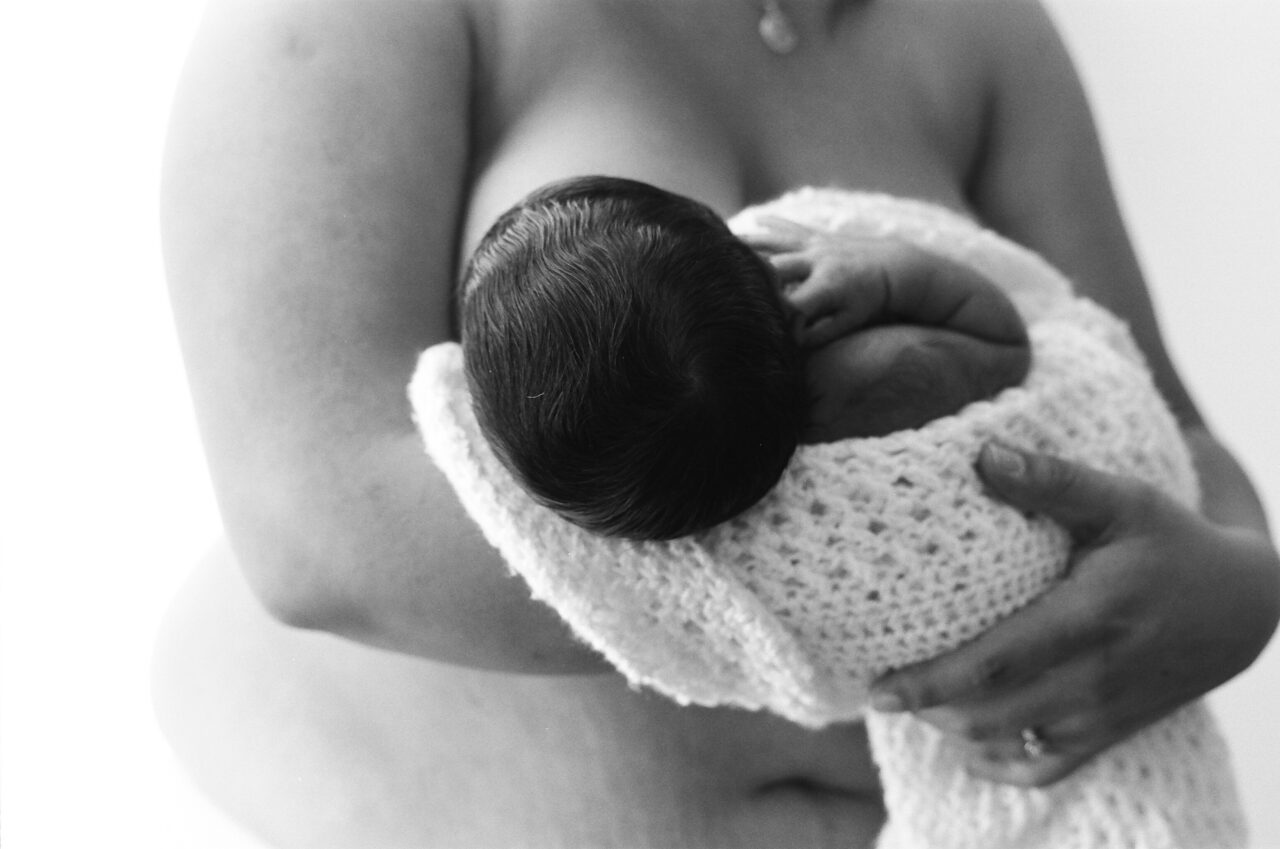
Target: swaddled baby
<point>636,366</point>
<point>829,563</point>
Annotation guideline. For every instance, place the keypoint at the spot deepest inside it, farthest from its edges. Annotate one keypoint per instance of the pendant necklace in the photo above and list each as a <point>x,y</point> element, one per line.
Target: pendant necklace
<point>776,29</point>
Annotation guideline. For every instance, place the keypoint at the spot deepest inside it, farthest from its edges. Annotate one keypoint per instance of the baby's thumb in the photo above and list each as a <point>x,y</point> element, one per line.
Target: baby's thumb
<point>1089,503</point>
<point>819,307</point>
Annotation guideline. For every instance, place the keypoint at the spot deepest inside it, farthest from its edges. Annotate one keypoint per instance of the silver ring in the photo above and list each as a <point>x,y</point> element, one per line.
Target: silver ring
<point>1033,743</point>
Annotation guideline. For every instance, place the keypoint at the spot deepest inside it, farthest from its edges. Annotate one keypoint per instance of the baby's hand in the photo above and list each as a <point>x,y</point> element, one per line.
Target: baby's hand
<point>840,283</point>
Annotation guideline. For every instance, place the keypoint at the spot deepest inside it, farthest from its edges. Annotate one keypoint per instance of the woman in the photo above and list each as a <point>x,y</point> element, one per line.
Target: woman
<point>328,164</point>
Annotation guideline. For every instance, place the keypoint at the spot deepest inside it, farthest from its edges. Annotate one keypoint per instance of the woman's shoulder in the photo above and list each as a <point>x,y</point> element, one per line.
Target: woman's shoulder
<point>295,26</point>
<point>1005,32</point>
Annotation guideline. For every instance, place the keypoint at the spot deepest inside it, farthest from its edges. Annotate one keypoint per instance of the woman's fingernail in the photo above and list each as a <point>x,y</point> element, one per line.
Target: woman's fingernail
<point>1004,460</point>
<point>887,702</point>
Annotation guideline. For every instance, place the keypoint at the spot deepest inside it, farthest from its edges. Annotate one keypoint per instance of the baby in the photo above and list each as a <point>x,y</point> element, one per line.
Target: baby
<point>863,554</point>
<point>637,366</point>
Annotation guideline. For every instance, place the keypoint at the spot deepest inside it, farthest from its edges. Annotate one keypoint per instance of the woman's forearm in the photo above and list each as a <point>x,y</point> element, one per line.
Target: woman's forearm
<point>392,560</point>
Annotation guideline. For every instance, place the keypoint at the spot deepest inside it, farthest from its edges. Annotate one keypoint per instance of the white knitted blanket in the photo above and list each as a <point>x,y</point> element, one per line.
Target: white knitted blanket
<point>871,554</point>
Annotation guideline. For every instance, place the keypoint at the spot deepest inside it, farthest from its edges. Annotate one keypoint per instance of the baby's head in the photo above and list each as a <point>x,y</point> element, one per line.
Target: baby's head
<point>629,359</point>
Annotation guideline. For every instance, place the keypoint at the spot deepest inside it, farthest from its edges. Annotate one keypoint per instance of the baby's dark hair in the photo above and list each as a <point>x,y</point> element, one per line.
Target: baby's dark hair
<point>629,359</point>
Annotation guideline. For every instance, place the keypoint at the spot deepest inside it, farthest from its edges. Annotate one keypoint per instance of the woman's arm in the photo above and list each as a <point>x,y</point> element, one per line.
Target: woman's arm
<point>1160,605</point>
<point>1044,183</point>
<point>314,184</point>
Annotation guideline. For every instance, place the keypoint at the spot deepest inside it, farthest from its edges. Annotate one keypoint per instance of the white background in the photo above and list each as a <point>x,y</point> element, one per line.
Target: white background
<point>105,497</point>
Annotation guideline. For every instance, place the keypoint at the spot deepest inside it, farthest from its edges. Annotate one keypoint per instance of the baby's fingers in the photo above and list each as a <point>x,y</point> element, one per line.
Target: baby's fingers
<point>779,236</point>
<point>835,300</point>
<point>821,317</point>
<point>791,268</point>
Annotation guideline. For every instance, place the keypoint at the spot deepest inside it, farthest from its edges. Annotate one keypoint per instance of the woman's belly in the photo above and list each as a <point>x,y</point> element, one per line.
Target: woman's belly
<point>315,741</point>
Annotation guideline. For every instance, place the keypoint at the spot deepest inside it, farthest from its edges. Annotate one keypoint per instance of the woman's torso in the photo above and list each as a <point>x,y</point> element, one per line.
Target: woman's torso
<point>315,739</point>
<point>882,96</point>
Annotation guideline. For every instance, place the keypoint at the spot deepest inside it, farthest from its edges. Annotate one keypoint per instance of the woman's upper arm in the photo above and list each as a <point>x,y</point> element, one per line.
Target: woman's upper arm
<point>314,183</point>
<point>1043,180</point>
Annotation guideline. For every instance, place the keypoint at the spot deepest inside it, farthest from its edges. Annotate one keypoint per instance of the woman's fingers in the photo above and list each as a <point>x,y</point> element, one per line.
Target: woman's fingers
<point>1092,505</point>
<point>1040,731</point>
<point>1023,767</point>
<point>1132,631</point>
<point>1143,621</point>
<point>1056,717</point>
<point>996,720</point>
<point>1038,753</point>
<point>1034,755</point>
<point>1035,734</point>
<point>1011,653</point>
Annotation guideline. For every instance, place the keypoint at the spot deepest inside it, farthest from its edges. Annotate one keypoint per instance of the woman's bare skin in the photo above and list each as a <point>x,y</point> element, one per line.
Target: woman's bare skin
<point>329,163</point>
<point>312,740</point>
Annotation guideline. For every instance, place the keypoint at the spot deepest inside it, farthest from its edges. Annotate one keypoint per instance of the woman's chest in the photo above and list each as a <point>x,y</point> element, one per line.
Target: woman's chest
<point>874,101</point>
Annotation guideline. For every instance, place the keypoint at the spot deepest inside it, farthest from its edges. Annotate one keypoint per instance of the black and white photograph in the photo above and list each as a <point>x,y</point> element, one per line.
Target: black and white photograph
<point>641,424</point>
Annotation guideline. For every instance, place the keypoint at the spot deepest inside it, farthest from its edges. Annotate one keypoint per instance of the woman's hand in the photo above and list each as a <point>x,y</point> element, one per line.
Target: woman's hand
<point>1159,606</point>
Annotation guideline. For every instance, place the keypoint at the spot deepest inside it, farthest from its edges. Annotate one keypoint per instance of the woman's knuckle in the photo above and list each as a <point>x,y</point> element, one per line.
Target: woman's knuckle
<point>1044,773</point>
<point>974,729</point>
<point>1093,696</point>
<point>1108,683</point>
<point>921,694</point>
<point>1108,726</point>
<point>1146,505</point>
<point>989,673</point>
<point>1058,478</point>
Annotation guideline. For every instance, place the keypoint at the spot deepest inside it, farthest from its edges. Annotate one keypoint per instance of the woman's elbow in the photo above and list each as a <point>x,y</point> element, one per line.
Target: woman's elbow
<point>302,607</point>
<point>294,585</point>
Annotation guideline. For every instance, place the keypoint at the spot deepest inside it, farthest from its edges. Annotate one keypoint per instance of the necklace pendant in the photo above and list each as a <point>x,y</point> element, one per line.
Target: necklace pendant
<point>776,30</point>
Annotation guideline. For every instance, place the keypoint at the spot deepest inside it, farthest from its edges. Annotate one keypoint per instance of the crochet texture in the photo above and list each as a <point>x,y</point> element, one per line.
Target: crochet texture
<point>874,553</point>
